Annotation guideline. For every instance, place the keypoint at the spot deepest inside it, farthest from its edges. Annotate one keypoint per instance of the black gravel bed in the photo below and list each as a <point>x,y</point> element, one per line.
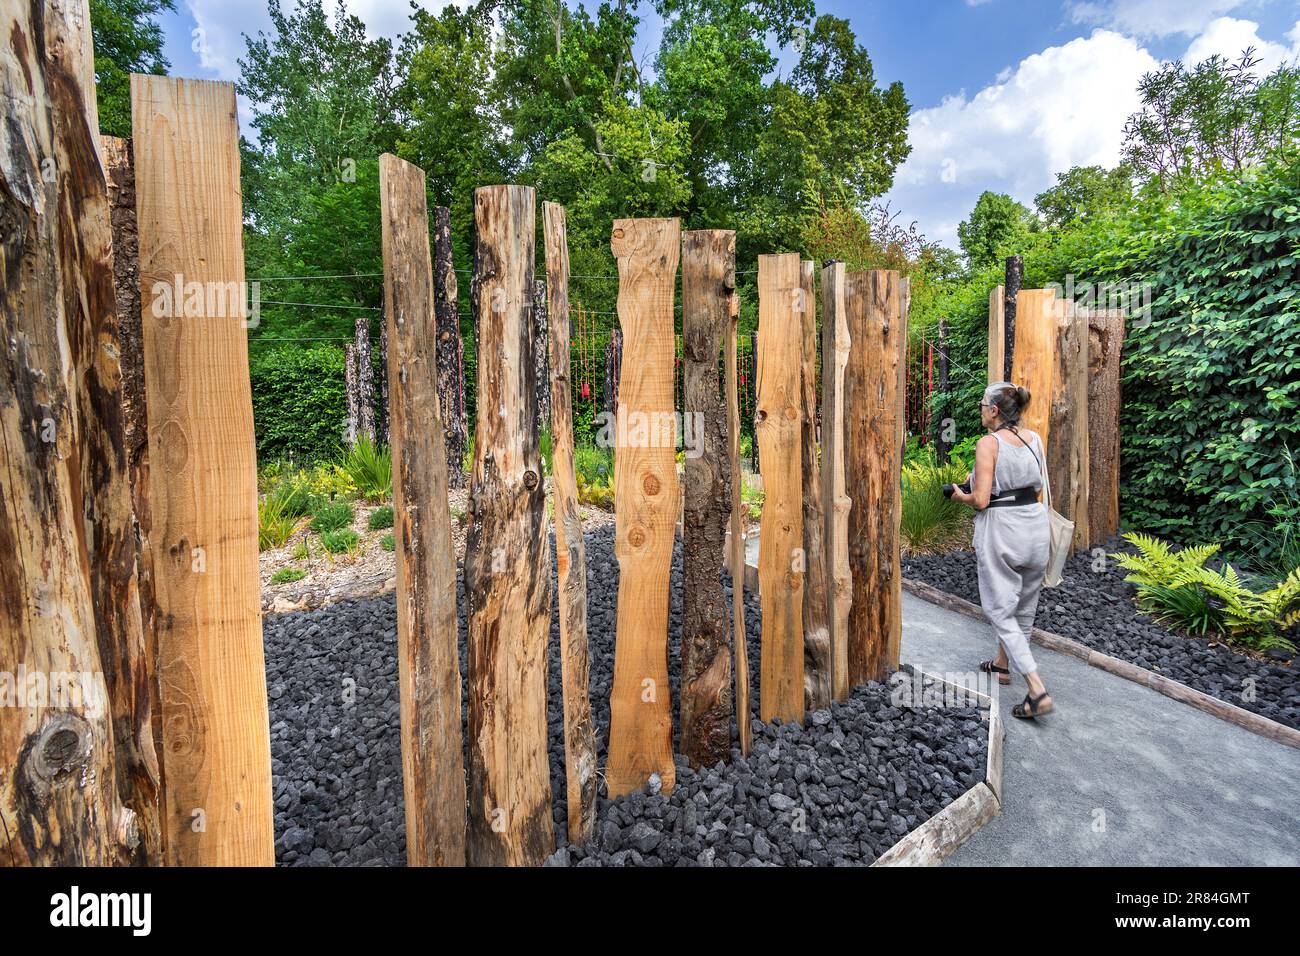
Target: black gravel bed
<point>1097,609</point>
<point>839,790</point>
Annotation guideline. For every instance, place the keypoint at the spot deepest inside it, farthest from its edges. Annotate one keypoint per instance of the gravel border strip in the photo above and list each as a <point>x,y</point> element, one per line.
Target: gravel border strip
<point>940,836</point>
<point>1222,709</point>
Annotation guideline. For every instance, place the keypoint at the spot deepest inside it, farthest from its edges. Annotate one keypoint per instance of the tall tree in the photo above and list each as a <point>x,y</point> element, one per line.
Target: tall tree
<point>127,40</point>
<point>1083,192</point>
<point>998,226</point>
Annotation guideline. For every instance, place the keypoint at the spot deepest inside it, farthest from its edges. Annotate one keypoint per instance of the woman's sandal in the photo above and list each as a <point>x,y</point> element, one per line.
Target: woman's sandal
<point>1029,708</point>
<point>988,667</point>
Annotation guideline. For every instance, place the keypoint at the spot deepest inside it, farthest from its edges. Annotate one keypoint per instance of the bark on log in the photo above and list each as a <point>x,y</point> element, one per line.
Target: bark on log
<point>541,353</point>
<point>570,551</point>
<point>1067,455</point>
<point>352,394</point>
<point>740,651</point>
<point>60,406</point>
<point>835,358</point>
<point>451,352</point>
<point>818,665</point>
<point>613,370</point>
<point>507,555</point>
<point>647,503</point>
<point>872,464</point>
<point>1015,277</point>
<point>365,381</point>
<point>212,674</point>
<point>708,283</point>
<point>1105,341</point>
<point>383,415</point>
<point>781,560</point>
<point>433,772</point>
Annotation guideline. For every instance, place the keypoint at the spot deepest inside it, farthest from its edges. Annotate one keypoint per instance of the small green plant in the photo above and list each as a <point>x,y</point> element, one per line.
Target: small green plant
<point>387,542</point>
<point>275,523</point>
<point>746,446</point>
<point>370,468</point>
<point>380,518</point>
<point>340,541</point>
<point>1166,583</point>
<point>297,497</point>
<point>545,447</point>
<point>594,464</point>
<point>288,575</point>
<point>332,517</point>
<point>1256,620</point>
<point>596,494</point>
<point>751,497</point>
<point>931,523</point>
<point>301,551</point>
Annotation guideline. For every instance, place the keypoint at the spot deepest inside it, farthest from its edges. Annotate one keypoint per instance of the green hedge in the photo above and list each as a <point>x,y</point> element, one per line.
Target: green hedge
<point>299,401</point>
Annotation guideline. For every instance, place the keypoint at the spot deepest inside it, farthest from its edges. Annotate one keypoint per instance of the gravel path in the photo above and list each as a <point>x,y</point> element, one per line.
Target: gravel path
<point>840,790</point>
<point>1096,608</point>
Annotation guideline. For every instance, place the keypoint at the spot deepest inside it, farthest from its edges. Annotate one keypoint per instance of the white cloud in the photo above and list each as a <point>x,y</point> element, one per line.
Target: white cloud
<point>1063,107</point>
<point>1151,18</point>
<point>1228,37</point>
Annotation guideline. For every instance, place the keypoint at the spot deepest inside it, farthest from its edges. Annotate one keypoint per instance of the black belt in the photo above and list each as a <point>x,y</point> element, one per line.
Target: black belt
<point>1015,498</point>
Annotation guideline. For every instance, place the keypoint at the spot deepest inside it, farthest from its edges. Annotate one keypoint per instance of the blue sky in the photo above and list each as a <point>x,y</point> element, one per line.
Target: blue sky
<point>1005,93</point>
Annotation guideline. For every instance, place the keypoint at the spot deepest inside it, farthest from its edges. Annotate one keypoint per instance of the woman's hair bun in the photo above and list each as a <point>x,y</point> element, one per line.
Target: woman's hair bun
<point>1022,394</point>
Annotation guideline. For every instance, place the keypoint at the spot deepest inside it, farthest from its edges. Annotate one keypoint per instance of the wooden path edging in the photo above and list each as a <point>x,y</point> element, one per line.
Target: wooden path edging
<point>941,835</point>
<point>1245,719</point>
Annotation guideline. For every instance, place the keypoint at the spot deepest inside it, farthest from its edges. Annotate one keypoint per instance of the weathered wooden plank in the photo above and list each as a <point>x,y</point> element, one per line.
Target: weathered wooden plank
<point>818,664</point>
<point>1035,361</point>
<point>708,283</point>
<point>640,730</point>
<point>1067,456</point>
<point>1105,341</point>
<point>997,333</point>
<point>933,841</point>
<point>507,555</point>
<point>740,648</point>
<point>204,477</point>
<point>570,551</point>
<point>873,458</point>
<point>433,770</point>
<point>451,365</point>
<point>781,560</point>
<point>835,357</point>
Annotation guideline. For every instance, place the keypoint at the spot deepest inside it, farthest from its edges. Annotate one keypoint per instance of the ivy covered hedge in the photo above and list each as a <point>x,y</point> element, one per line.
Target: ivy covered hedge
<point>299,401</point>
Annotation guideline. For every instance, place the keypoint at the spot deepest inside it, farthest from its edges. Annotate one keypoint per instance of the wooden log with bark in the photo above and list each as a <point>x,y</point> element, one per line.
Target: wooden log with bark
<point>835,358</point>
<point>647,502</point>
<point>541,355</point>
<point>1105,341</point>
<point>211,671</point>
<point>708,283</point>
<point>872,455</point>
<point>433,771</point>
<point>1015,277</point>
<point>507,555</point>
<point>365,380</point>
<point>781,559</point>
<point>451,353</point>
<point>352,395</point>
<point>570,551</point>
<point>818,663</point>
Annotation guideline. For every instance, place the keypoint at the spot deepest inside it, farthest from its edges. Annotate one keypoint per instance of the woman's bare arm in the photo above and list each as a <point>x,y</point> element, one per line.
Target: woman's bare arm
<point>986,457</point>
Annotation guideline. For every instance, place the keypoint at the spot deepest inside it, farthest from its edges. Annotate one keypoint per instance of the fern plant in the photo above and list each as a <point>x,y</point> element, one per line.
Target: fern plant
<point>1255,620</point>
<point>1168,588</point>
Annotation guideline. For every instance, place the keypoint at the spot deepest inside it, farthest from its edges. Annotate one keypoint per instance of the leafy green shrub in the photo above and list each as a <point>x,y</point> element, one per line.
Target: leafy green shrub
<point>296,496</point>
<point>387,542</point>
<point>752,498</point>
<point>340,541</point>
<point>596,494</point>
<point>930,522</point>
<point>332,517</point>
<point>593,463</point>
<point>370,468</point>
<point>301,551</point>
<point>288,575</point>
<point>380,518</point>
<point>299,403</point>
<point>275,523</point>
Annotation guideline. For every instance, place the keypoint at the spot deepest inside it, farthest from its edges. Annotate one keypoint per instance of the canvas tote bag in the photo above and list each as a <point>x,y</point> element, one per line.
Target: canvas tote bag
<point>1060,532</point>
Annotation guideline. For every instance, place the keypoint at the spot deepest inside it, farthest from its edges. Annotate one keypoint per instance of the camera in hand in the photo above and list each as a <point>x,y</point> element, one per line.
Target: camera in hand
<point>948,489</point>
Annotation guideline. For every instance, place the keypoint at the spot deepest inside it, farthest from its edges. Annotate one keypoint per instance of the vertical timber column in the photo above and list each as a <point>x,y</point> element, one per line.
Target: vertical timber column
<point>1067,455</point>
<point>818,665</point>
<point>708,283</point>
<point>204,474</point>
<point>1015,277</point>
<point>1105,340</point>
<point>781,562</point>
<point>507,556</point>
<point>997,334</point>
<point>736,559</point>
<point>570,551</point>
<point>428,666</point>
<point>872,463</point>
<point>835,358</point>
<point>365,380</point>
<point>1035,360</point>
<point>647,500</point>
<point>451,366</point>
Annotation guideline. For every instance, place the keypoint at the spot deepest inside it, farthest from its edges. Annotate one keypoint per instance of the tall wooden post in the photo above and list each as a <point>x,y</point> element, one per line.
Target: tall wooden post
<point>1035,358</point>
<point>1105,340</point>
<point>708,283</point>
<point>818,664</point>
<point>942,445</point>
<point>872,463</point>
<point>781,559</point>
<point>433,772</point>
<point>507,555</point>
<point>365,380</point>
<point>640,724</point>
<point>1067,455</point>
<point>1015,277</point>
<point>570,551</point>
<point>451,355</point>
<point>736,561</point>
<point>352,395</point>
<point>204,474</point>
<point>835,358</point>
<point>997,334</point>
<point>541,354</point>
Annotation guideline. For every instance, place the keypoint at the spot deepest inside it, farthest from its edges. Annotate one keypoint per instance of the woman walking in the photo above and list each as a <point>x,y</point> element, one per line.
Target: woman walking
<point>1011,537</point>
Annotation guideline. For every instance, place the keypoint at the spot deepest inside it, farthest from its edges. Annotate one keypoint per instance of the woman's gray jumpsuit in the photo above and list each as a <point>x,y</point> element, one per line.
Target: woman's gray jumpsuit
<point>1011,545</point>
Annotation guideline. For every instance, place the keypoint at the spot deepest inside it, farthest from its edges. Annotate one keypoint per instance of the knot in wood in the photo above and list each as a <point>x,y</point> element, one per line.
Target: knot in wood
<point>791,413</point>
<point>530,480</point>
<point>651,485</point>
<point>636,537</point>
<point>57,753</point>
